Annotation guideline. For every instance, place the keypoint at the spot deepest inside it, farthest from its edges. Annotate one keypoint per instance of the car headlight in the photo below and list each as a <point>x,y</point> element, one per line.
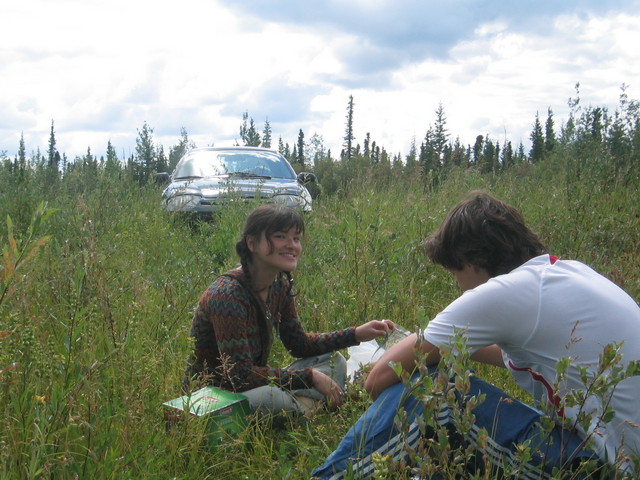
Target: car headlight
<point>294,201</point>
<point>182,203</point>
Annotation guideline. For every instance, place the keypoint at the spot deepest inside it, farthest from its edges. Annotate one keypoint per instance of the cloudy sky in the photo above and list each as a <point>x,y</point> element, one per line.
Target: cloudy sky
<point>100,69</point>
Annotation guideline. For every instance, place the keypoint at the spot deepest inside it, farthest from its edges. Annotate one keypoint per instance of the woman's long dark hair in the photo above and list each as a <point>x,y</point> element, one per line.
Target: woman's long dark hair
<point>267,219</point>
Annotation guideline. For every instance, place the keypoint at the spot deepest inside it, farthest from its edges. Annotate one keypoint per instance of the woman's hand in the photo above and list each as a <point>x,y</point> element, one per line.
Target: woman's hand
<point>329,388</point>
<point>373,329</point>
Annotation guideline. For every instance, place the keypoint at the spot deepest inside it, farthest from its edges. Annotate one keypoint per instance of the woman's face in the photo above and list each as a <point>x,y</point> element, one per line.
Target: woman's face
<point>281,254</point>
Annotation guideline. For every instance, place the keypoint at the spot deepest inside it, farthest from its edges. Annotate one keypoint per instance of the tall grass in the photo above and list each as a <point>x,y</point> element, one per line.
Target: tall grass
<point>94,333</point>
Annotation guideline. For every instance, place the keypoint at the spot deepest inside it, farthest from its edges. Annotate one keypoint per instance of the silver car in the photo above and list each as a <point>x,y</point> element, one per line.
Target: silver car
<point>206,178</point>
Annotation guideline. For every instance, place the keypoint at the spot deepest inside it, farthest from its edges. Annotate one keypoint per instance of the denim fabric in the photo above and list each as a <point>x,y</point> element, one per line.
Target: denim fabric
<point>508,422</point>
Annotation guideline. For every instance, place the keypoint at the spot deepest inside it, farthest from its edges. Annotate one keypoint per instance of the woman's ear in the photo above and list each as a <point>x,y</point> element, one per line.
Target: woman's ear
<point>250,241</point>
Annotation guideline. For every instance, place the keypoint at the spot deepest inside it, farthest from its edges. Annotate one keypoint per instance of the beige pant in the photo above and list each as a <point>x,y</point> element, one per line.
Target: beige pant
<point>273,399</point>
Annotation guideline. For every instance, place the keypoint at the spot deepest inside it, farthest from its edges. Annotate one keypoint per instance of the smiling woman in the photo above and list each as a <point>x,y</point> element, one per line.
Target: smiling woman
<point>241,313</point>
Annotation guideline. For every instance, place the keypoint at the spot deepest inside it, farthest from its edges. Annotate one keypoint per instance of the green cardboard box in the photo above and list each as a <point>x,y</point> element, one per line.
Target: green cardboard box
<point>225,412</point>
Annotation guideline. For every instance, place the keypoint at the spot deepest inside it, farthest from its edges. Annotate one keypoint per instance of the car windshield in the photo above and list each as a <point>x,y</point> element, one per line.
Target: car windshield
<point>207,163</point>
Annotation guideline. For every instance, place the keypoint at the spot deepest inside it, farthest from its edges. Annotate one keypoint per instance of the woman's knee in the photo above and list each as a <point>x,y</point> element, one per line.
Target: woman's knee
<point>270,399</point>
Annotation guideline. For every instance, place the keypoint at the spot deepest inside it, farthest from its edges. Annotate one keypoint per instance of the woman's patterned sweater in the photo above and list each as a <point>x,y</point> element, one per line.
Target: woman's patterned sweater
<point>233,337</point>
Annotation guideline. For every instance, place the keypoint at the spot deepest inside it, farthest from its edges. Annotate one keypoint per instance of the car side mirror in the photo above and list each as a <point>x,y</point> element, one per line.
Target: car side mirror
<point>306,177</point>
<point>162,177</point>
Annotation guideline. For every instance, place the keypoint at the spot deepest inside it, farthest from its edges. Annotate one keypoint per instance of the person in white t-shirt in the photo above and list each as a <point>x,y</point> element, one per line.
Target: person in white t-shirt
<point>525,310</point>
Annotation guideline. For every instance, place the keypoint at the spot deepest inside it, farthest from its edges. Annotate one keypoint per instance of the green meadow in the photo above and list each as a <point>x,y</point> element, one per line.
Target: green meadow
<point>98,284</point>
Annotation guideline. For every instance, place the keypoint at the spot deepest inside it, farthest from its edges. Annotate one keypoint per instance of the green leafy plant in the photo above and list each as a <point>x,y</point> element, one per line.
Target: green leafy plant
<point>17,253</point>
<point>448,451</point>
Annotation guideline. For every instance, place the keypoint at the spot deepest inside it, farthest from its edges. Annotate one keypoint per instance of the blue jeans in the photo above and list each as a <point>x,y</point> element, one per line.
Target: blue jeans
<point>509,423</point>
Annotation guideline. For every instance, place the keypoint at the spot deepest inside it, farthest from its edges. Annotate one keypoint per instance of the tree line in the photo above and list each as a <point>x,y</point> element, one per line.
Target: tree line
<point>592,135</point>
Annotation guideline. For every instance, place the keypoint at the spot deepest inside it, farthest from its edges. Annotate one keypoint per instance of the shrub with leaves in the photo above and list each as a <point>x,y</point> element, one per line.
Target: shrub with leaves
<point>455,450</point>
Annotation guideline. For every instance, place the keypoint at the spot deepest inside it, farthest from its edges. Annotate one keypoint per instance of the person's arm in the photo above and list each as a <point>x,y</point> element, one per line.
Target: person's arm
<point>405,352</point>
<point>491,355</point>
<point>328,387</point>
<point>300,343</point>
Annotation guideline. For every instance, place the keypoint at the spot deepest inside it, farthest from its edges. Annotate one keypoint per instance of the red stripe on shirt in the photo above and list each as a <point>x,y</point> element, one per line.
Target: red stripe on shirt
<point>551,396</point>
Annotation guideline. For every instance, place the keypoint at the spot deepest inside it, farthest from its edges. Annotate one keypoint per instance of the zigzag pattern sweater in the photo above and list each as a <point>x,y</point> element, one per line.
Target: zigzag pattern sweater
<point>233,338</point>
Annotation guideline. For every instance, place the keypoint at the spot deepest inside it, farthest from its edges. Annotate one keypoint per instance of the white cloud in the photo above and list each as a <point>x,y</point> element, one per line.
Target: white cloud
<point>101,69</point>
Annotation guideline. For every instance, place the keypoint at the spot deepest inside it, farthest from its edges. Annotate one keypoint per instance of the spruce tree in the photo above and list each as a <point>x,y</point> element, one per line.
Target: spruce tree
<point>459,155</point>
<point>266,134</point>
<point>488,163</point>
<point>507,156</point>
<point>300,157</point>
<point>549,133</point>
<point>597,119</point>
<point>477,150</point>
<point>144,162</point>
<point>428,157</point>
<point>520,155</point>
<point>112,164</point>
<point>161,164</point>
<point>22,157</point>
<point>367,147</point>
<point>537,141</point>
<point>51,152</point>
<point>440,134</point>
<point>53,159</point>
<point>348,136</point>
<point>375,152</point>
<point>248,133</point>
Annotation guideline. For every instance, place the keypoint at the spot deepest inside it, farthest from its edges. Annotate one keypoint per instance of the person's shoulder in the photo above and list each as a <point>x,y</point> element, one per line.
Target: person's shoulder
<point>522,278</point>
<point>231,282</point>
<point>544,260</point>
<point>235,275</point>
<point>534,268</point>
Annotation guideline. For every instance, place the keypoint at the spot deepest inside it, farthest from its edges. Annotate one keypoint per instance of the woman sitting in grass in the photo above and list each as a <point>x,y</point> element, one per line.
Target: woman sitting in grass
<point>552,323</point>
<point>242,311</point>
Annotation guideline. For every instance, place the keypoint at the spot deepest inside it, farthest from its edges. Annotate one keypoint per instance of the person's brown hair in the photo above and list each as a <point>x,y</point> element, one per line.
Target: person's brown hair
<point>485,232</point>
<point>267,219</point>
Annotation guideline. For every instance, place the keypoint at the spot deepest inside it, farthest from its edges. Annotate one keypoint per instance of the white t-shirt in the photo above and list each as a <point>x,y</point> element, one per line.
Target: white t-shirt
<point>542,312</point>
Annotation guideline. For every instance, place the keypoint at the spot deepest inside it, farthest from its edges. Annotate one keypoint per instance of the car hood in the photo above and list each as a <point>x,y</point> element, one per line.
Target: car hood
<point>212,187</point>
